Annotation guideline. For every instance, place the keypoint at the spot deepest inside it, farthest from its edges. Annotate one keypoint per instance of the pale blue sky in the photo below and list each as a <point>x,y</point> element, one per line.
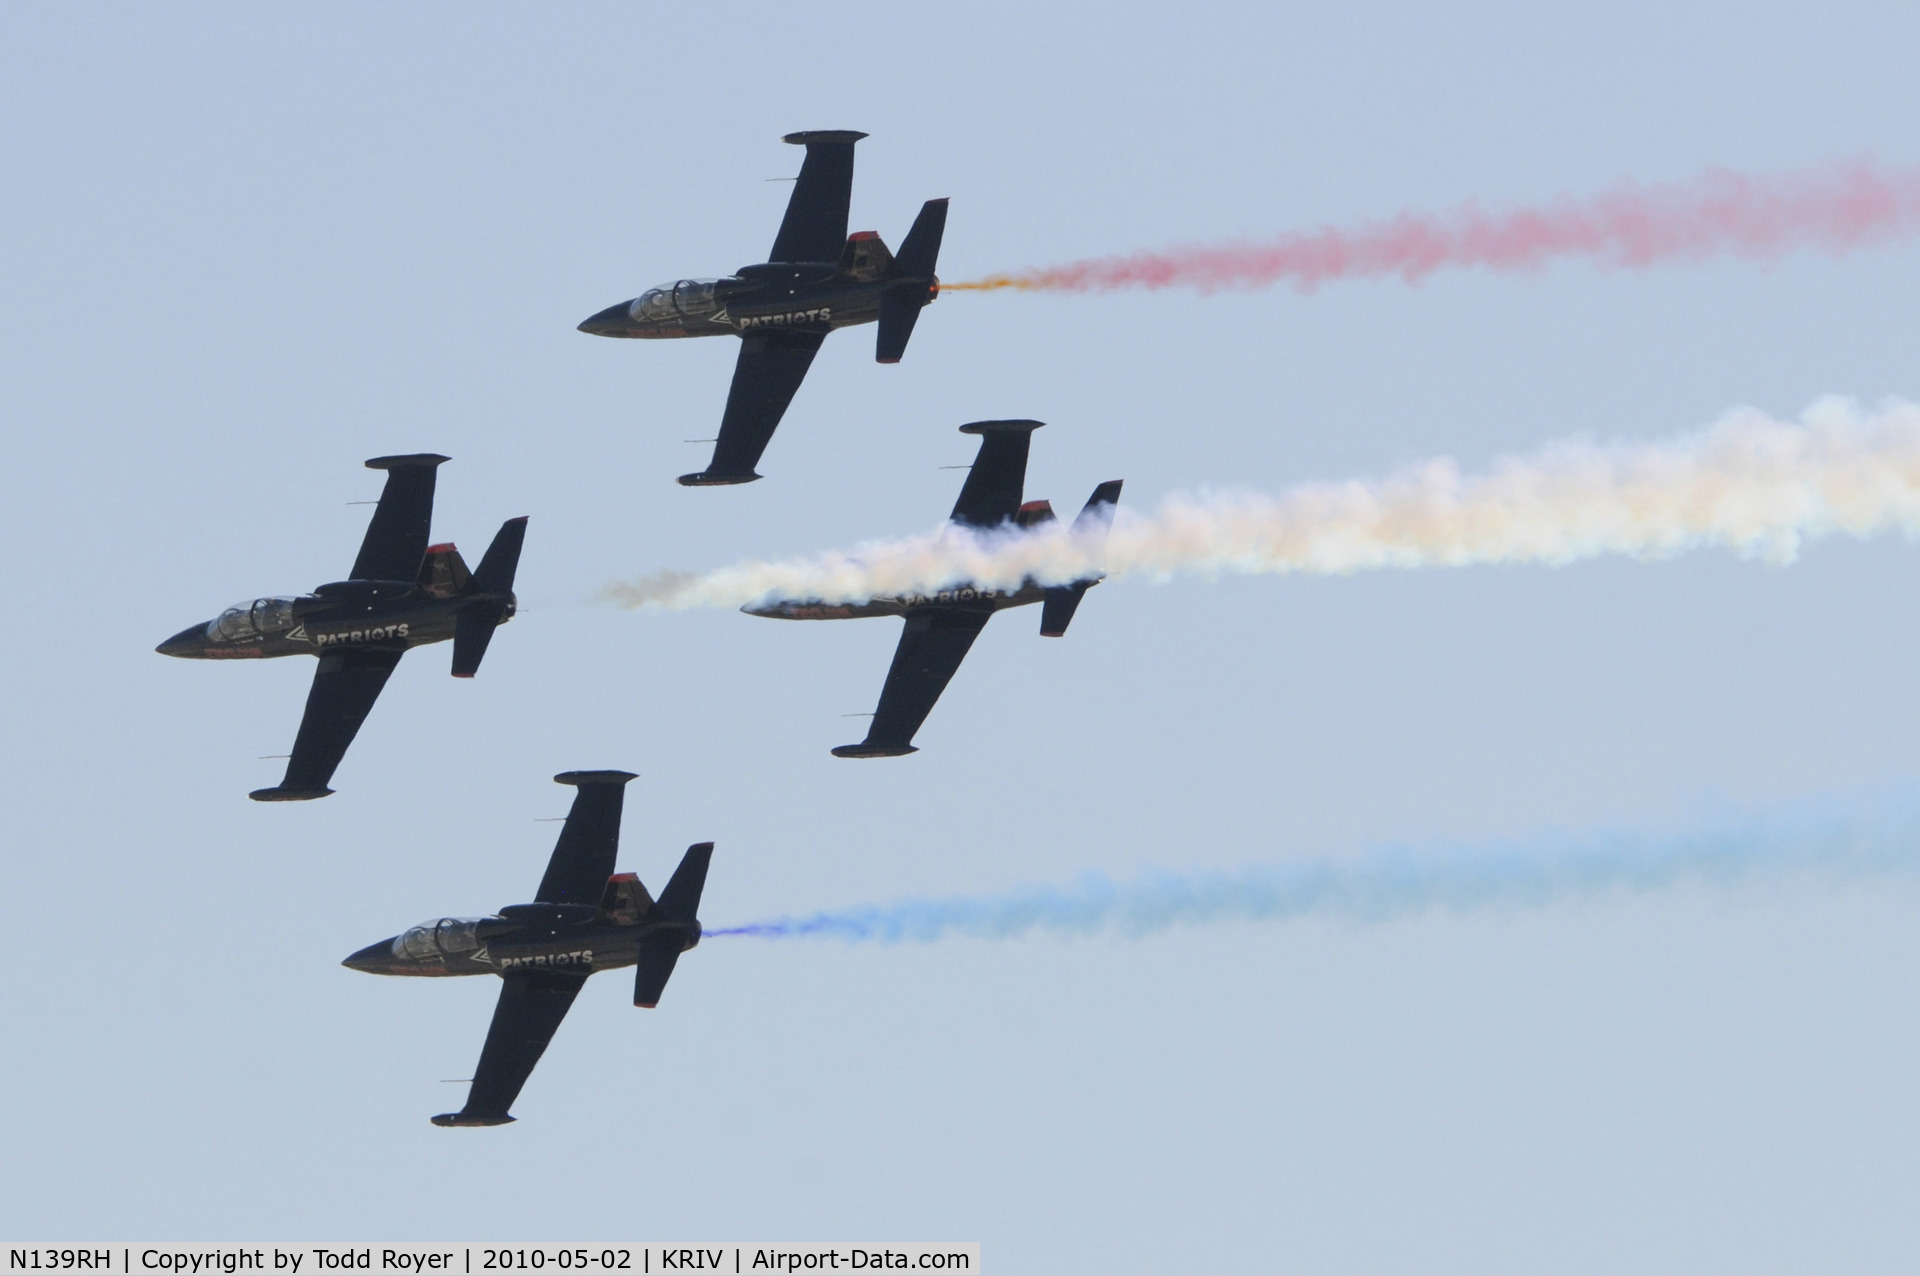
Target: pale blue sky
<point>248,247</point>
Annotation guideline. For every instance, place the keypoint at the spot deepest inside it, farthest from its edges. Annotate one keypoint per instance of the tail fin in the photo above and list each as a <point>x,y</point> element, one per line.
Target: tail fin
<point>492,584</point>
<point>1099,507</point>
<point>680,902</point>
<point>921,248</point>
<point>900,305</point>
<point>1056,610</point>
<point>678,905</point>
<point>497,565</point>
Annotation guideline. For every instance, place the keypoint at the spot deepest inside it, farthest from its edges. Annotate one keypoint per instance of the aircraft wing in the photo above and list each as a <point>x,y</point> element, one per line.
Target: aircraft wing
<point>589,842</point>
<point>770,368</point>
<point>815,227</point>
<point>344,689</point>
<point>991,494</point>
<point>396,540</point>
<point>931,648</point>
<point>532,1004</point>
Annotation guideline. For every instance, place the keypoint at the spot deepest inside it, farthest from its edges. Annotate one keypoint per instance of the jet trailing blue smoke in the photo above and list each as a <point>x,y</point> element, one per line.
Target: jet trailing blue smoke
<point>1825,842</point>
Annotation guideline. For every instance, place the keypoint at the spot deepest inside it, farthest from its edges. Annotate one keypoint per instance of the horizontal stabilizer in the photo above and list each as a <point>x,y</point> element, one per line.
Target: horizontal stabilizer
<point>658,957</point>
<point>472,631</point>
<point>1056,612</point>
<point>899,311</point>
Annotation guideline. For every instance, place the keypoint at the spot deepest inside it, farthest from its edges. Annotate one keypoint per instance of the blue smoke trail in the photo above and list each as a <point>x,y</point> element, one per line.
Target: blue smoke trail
<point>1831,841</point>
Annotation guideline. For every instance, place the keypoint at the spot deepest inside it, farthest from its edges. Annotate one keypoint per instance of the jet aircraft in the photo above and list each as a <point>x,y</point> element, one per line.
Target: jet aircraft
<point>401,593</point>
<point>941,627</point>
<point>816,279</point>
<point>584,918</point>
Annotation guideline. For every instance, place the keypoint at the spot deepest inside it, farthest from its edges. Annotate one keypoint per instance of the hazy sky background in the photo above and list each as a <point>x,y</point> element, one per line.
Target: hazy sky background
<point>247,248</point>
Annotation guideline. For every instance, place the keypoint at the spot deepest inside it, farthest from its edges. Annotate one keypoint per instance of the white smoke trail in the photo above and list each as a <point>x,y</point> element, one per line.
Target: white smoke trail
<point>1827,842</point>
<point>1748,483</point>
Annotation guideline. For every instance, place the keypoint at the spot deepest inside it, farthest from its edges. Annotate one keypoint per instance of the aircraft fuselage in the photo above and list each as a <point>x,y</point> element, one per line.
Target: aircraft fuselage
<point>542,936</point>
<point>958,598</point>
<point>805,295</point>
<point>388,615</point>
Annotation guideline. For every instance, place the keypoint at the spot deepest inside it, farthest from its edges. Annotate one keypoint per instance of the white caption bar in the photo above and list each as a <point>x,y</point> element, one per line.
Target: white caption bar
<point>123,1259</point>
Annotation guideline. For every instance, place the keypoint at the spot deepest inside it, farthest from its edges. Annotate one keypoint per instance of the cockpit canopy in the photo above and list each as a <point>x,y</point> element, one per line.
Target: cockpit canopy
<point>257,619</point>
<point>449,935</point>
<point>686,299</point>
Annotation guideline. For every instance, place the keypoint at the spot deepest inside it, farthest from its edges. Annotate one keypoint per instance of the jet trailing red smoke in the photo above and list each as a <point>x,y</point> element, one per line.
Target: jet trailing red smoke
<point>1836,209</point>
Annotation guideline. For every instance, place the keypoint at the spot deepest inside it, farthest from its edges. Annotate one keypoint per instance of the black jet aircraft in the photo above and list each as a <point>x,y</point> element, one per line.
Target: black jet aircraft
<point>401,593</point>
<point>584,918</point>
<point>816,279</point>
<point>941,627</point>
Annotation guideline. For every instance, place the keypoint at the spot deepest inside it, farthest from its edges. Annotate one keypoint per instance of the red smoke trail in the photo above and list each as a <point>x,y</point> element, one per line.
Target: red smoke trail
<point>1838,209</point>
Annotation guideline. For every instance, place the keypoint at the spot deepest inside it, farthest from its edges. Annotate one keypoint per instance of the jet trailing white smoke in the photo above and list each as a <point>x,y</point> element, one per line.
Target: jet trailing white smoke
<point>1747,483</point>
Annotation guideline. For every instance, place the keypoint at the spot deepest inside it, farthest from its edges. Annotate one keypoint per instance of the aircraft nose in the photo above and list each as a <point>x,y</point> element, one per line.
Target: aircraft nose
<point>190,641</point>
<point>611,322</point>
<point>374,959</point>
